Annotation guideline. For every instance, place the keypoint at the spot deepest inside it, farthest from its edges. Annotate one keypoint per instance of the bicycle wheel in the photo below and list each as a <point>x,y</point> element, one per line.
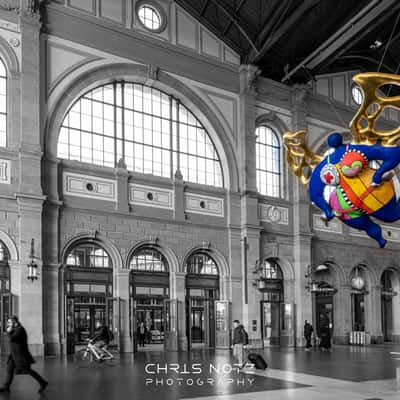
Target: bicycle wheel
<point>84,358</point>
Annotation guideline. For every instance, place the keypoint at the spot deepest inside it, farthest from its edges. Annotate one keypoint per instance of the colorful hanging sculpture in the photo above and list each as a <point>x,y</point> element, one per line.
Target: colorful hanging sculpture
<point>343,184</point>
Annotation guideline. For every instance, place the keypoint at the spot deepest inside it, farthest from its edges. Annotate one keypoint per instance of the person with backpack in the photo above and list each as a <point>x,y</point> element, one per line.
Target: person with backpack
<point>240,339</point>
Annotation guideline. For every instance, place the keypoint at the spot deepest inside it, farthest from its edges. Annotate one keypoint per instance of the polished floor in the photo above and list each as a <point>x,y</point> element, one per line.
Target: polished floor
<point>347,373</point>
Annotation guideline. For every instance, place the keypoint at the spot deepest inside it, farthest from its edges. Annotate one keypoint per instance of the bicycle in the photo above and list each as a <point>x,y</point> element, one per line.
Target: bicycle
<point>92,353</point>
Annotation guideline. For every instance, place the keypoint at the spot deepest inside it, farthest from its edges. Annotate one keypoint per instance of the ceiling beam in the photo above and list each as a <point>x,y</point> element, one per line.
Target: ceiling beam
<point>285,27</point>
<point>196,14</point>
<point>229,24</point>
<point>203,8</point>
<point>236,21</point>
<point>367,30</point>
<point>274,18</point>
<point>347,32</point>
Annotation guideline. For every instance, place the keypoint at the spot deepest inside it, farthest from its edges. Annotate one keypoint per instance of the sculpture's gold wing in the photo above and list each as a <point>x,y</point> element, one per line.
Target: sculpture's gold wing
<point>301,159</point>
<point>363,125</point>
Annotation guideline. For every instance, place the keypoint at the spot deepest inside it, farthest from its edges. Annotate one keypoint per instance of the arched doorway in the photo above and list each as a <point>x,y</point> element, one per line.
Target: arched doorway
<point>202,290</point>
<point>149,292</point>
<point>358,283</point>
<point>323,298</point>
<point>88,291</point>
<point>5,296</point>
<point>388,292</point>
<point>270,284</point>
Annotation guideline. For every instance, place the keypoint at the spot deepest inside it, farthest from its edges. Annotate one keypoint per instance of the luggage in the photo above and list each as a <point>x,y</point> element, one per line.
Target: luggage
<point>257,360</point>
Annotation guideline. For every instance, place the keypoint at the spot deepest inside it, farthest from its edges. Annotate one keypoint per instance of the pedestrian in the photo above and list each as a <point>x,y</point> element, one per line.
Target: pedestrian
<point>142,333</point>
<point>325,334</point>
<point>240,339</point>
<point>20,359</point>
<point>308,330</point>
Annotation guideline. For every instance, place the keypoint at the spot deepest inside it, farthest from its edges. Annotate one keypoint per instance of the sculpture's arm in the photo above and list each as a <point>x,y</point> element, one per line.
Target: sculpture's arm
<point>316,190</point>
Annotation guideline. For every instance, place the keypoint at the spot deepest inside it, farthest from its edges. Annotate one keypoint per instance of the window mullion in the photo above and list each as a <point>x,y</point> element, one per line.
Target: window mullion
<point>171,138</point>
<point>123,119</point>
<point>178,150</point>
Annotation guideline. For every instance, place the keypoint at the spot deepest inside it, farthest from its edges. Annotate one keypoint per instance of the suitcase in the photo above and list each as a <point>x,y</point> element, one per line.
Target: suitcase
<point>257,360</point>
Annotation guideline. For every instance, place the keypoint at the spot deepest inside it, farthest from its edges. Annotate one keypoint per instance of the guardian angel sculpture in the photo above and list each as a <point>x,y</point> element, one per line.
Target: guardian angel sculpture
<point>342,183</point>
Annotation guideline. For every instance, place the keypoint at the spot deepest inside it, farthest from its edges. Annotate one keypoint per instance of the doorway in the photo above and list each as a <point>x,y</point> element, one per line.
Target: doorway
<point>88,319</point>
<point>323,311</point>
<point>271,323</point>
<point>200,319</point>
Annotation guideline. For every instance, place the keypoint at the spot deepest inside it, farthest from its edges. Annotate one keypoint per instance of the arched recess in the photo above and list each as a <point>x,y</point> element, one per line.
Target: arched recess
<point>364,302</point>
<point>338,274</point>
<point>98,239</point>
<point>9,243</point>
<point>163,81</point>
<point>223,268</point>
<point>9,57</point>
<point>173,263</point>
<point>390,304</point>
<point>272,120</point>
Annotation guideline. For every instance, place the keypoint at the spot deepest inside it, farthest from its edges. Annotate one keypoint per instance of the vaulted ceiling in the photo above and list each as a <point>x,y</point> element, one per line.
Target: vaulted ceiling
<point>295,40</point>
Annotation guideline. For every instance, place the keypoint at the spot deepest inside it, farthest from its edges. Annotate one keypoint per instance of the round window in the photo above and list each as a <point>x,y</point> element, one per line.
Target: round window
<point>151,17</point>
<point>357,95</point>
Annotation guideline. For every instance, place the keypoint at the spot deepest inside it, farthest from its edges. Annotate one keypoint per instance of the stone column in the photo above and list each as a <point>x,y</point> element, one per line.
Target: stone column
<point>121,290</point>
<point>342,314</point>
<point>301,224</point>
<point>250,225</point>
<point>121,176</point>
<point>181,310</point>
<point>179,197</point>
<point>374,315</point>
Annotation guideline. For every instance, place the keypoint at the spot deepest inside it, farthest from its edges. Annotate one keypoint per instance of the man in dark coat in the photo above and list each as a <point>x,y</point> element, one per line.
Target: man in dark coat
<point>308,330</point>
<point>20,359</point>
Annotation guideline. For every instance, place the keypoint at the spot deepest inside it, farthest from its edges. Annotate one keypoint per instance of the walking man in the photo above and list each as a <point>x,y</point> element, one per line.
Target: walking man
<point>308,330</point>
<point>239,340</point>
<point>20,359</point>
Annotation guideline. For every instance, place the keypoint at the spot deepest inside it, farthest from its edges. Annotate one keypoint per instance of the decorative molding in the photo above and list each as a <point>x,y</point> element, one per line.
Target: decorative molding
<point>273,214</point>
<point>10,5</point>
<point>89,186</point>
<point>5,171</point>
<point>151,196</point>
<point>333,226</point>
<point>199,204</point>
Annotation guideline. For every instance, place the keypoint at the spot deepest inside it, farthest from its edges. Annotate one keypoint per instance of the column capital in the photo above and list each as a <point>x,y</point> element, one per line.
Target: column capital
<point>248,78</point>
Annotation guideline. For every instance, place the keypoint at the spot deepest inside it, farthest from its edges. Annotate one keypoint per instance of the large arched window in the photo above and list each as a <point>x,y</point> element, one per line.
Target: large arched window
<point>268,162</point>
<point>4,256</point>
<point>150,130</point>
<point>88,255</point>
<point>149,260</point>
<point>201,264</point>
<point>3,105</point>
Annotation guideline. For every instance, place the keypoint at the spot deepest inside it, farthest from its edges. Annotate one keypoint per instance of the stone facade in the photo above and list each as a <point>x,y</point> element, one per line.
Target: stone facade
<point>52,63</point>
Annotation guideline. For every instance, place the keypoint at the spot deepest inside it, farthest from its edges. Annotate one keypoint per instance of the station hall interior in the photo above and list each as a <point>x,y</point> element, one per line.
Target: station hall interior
<point>143,179</point>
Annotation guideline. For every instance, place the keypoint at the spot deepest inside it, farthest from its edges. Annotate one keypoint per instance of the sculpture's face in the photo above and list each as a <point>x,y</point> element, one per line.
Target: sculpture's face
<point>348,188</point>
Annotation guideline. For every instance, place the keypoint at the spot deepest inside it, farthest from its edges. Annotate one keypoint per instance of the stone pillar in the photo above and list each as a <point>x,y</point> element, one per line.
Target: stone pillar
<point>179,197</point>
<point>301,224</point>
<point>121,176</point>
<point>250,225</point>
<point>374,315</point>
<point>342,314</point>
<point>180,283</point>
<point>121,290</point>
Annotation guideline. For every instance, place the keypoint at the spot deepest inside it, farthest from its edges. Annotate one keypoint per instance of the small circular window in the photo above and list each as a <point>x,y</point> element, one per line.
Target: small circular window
<point>150,16</point>
<point>357,95</point>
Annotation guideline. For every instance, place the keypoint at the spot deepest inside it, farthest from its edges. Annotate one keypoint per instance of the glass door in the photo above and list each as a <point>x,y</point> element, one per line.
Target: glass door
<point>270,323</point>
<point>70,324</point>
<point>222,324</point>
